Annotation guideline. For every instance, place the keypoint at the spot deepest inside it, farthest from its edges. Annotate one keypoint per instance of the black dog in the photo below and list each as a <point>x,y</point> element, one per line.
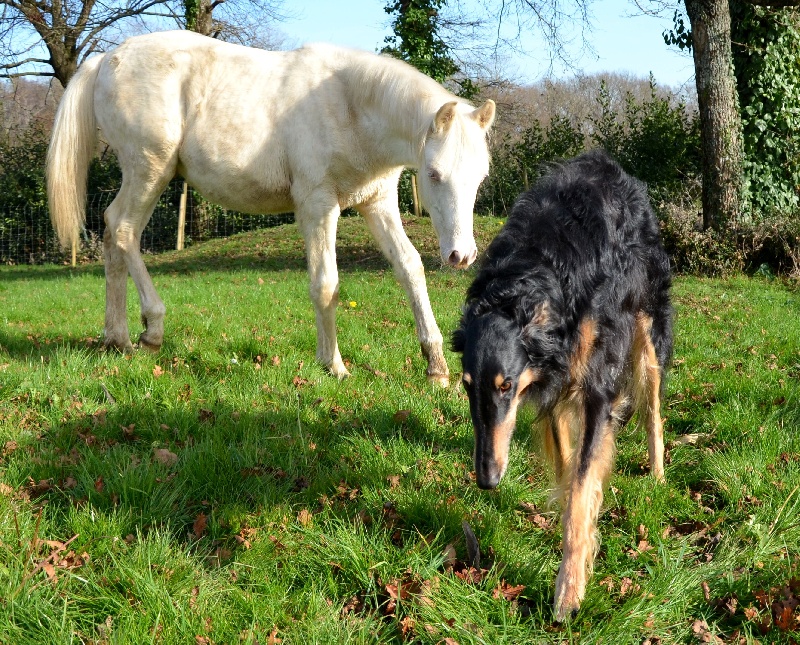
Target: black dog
<point>570,311</point>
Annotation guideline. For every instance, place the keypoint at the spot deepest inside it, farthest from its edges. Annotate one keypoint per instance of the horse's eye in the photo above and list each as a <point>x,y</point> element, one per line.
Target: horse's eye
<point>505,386</point>
<point>434,175</point>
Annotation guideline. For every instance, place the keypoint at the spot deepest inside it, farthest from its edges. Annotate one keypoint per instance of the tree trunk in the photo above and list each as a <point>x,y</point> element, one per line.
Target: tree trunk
<point>720,122</point>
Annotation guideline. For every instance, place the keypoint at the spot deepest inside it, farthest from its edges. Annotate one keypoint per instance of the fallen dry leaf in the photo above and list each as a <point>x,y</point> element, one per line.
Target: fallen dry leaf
<point>158,371</point>
<point>165,457</point>
<point>505,590</point>
<point>394,481</point>
<point>401,416</point>
<point>304,517</point>
<point>199,526</point>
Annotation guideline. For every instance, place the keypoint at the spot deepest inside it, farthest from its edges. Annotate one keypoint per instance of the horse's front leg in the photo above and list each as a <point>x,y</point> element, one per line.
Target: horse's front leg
<point>317,219</point>
<point>591,465</point>
<point>383,218</point>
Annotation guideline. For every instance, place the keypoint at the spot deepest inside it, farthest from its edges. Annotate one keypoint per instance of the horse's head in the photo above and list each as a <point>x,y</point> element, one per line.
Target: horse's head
<point>455,159</point>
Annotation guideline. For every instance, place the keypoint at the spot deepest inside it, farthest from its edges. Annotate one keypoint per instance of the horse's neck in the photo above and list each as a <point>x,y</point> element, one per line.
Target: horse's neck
<point>398,113</point>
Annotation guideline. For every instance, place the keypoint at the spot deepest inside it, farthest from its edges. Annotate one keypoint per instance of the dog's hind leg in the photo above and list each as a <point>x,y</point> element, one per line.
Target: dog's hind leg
<point>647,392</point>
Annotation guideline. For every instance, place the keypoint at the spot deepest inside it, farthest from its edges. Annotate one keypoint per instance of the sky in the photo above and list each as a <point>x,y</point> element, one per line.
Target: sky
<point>623,42</point>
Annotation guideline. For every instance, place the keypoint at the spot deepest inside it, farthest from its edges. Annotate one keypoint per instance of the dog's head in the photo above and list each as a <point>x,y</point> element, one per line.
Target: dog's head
<point>509,356</point>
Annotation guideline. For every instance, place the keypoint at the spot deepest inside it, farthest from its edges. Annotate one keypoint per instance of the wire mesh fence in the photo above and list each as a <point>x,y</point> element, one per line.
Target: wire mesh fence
<point>27,237</point>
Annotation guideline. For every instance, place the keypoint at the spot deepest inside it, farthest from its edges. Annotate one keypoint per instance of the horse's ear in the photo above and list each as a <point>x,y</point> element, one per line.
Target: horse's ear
<point>444,117</point>
<point>484,115</point>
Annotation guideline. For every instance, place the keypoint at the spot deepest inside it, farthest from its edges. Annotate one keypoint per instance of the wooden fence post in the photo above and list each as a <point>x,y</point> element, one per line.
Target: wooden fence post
<point>415,195</point>
<point>182,217</point>
<point>75,252</point>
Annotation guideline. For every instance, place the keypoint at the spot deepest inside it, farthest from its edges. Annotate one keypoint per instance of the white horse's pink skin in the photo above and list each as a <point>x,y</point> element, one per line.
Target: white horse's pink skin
<point>310,131</point>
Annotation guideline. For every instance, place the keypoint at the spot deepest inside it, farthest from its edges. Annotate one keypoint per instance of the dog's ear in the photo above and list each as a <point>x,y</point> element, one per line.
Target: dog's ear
<point>538,318</point>
<point>458,340</point>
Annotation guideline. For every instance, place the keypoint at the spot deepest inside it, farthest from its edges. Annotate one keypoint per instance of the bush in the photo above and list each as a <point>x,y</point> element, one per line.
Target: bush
<point>656,140</point>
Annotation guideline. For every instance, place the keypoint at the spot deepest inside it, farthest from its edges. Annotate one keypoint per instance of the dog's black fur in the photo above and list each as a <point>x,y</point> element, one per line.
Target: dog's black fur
<point>570,311</point>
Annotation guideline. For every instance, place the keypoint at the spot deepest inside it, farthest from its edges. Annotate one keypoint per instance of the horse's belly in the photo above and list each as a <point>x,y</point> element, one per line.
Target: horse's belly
<point>242,185</point>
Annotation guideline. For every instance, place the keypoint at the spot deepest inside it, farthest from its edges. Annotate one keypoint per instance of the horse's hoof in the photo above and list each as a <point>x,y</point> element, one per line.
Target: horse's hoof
<point>145,344</point>
<point>124,348</point>
<point>339,371</point>
<point>442,380</point>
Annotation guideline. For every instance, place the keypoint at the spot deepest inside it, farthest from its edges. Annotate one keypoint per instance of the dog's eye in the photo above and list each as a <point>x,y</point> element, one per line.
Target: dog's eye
<point>505,386</point>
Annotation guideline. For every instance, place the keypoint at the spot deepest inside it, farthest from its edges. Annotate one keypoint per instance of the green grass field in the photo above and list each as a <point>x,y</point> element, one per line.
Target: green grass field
<point>227,490</point>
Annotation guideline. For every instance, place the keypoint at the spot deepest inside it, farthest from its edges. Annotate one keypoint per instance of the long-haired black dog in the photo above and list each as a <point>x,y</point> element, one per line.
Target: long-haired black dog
<point>570,311</point>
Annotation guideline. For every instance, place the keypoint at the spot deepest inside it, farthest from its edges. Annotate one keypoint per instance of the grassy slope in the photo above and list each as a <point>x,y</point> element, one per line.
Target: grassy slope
<point>297,503</point>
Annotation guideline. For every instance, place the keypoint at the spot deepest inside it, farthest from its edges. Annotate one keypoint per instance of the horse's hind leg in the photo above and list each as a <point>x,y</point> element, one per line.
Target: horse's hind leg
<point>383,219</point>
<point>647,392</point>
<point>125,219</point>
<point>317,217</point>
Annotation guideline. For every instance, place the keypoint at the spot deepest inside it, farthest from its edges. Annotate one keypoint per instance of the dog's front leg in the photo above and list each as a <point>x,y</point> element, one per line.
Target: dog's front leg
<point>592,464</point>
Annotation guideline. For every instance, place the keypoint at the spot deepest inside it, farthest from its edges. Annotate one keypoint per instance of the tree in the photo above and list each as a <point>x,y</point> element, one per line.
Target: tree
<point>720,121</point>
<point>69,30</point>
<point>417,40</point>
<point>726,135</point>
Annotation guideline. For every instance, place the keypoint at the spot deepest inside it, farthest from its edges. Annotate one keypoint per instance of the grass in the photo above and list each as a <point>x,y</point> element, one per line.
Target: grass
<point>227,490</point>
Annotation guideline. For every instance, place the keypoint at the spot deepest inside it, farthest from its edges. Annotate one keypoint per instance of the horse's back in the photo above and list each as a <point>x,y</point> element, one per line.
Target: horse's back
<point>242,125</point>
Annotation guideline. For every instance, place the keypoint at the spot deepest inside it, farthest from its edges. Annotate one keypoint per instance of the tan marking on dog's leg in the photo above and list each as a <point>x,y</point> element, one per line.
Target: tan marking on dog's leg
<point>579,361</point>
<point>564,427</point>
<point>647,392</point>
<point>580,526</point>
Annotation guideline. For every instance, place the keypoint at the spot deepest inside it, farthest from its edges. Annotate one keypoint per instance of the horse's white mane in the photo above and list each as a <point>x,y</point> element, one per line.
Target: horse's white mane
<point>393,87</point>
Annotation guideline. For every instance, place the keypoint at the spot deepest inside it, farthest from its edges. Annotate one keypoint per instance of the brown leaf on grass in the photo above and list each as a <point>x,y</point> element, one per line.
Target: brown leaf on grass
<point>299,381</point>
<point>401,416</point>
<point>128,432</point>
<point>199,526</point>
<point>783,614</point>
<point>99,484</point>
<point>304,517</point>
<point>6,490</point>
<point>608,583</point>
<point>165,457</point>
<point>354,605</point>
<point>273,639</point>
<point>505,590</point>
<point>158,372</point>
<point>276,360</point>
<point>407,625</point>
<point>450,641</point>
<point>706,591</point>
<point>627,585</point>
<point>37,489</point>
<point>193,597</point>
<point>703,634</point>
<point>394,481</point>
<point>206,415</point>
<point>202,640</point>
<point>9,447</point>
<point>449,557</point>
<point>471,575</point>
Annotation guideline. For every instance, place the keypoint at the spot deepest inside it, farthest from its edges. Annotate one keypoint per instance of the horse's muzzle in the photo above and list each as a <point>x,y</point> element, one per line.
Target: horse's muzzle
<point>459,260</point>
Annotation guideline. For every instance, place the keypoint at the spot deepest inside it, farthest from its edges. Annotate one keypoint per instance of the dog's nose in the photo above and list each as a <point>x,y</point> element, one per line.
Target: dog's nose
<point>488,477</point>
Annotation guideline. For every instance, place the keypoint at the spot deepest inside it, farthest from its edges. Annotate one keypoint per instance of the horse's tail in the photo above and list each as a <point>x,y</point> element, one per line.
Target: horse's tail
<point>72,147</point>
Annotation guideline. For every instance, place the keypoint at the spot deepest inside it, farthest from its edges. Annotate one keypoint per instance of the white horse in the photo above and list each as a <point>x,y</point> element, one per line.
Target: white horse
<point>310,131</point>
